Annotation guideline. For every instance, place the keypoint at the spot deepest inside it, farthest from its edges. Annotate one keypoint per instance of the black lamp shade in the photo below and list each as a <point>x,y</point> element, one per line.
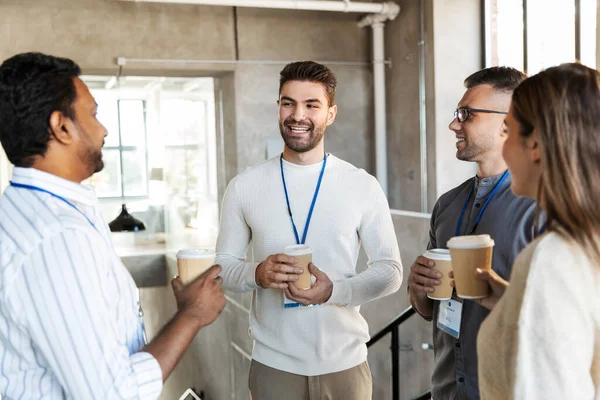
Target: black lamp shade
<point>126,222</point>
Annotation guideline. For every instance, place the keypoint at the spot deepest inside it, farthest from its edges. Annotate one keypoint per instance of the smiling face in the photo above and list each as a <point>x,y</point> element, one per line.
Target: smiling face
<point>481,135</point>
<point>304,114</point>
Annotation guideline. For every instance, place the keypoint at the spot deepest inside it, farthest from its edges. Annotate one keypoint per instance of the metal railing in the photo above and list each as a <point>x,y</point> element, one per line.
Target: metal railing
<point>393,328</point>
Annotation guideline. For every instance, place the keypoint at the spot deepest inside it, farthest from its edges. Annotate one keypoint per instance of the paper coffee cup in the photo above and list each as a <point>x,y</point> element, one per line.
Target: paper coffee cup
<point>303,254</point>
<point>191,263</point>
<point>443,264</point>
<point>469,253</point>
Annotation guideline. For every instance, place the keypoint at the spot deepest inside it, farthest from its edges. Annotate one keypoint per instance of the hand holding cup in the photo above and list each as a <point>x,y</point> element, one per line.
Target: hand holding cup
<point>202,300</point>
<point>277,272</point>
<point>497,287</point>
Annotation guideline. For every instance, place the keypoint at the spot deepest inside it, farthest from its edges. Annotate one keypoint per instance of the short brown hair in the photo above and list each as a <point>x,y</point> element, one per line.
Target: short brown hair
<point>503,79</point>
<point>310,71</point>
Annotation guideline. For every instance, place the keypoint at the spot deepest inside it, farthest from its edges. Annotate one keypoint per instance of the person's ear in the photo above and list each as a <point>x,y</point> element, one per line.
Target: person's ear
<point>331,113</point>
<point>503,130</point>
<point>61,128</point>
<point>533,144</point>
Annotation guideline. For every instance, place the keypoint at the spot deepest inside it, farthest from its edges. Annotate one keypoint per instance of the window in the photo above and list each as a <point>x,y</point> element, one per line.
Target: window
<point>183,122</point>
<point>125,157</point>
<point>160,155</point>
<point>588,33</point>
<point>531,35</point>
<point>504,33</point>
<point>189,155</point>
<point>550,33</point>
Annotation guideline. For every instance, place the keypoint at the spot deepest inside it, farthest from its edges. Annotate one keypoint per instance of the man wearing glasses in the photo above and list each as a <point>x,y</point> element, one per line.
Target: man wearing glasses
<point>483,204</point>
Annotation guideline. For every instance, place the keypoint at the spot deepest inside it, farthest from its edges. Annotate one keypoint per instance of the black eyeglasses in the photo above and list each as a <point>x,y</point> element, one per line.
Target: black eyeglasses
<point>462,114</point>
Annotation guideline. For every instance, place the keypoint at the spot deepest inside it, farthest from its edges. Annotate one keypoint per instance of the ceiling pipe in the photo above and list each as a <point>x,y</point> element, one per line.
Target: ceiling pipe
<point>389,8</point>
<point>379,13</point>
<point>377,23</point>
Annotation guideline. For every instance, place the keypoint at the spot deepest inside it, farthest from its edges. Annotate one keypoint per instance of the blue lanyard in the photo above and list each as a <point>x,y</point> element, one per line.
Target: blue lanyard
<point>37,189</point>
<point>314,200</point>
<point>462,213</point>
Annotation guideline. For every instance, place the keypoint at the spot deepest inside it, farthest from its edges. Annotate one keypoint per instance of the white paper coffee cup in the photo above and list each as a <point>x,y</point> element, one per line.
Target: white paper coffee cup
<point>191,263</point>
<point>443,264</point>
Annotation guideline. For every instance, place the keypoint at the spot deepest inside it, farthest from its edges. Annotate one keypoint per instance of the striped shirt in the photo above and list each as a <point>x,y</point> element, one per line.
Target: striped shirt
<point>70,321</point>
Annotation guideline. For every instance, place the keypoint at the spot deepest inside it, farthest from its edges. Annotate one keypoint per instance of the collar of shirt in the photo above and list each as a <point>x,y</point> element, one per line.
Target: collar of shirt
<point>484,186</point>
<point>82,194</point>
<point>299,168</point>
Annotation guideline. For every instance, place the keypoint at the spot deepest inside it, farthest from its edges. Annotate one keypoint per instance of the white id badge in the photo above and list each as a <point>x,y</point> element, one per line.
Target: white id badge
<point>287,303</point>
<point>450,316</point>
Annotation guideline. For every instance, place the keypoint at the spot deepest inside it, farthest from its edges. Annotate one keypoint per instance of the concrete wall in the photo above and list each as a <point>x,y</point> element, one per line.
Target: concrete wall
<point>286,35</point>
<point>350,136</point>
<point>448,61</point>
<point>416,364</point>
<point>597,37</point>
<point>402,47</point>
<point>95,32</point>
<point>454,22</point>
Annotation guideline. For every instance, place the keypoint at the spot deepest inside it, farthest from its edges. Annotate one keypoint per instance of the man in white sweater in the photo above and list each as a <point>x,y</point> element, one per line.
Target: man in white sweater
<point>306,196</point>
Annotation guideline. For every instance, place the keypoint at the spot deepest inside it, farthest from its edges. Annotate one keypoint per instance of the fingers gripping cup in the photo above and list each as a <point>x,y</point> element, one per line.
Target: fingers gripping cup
<point>191,263</point>
<point>303,254</point>
<point>443,265</point>
<point>469,253</point>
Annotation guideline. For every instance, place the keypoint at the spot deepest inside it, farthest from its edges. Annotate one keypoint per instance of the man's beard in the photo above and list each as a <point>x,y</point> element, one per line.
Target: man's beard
<point>474,148</point>
<point>468,153</point>
<point>93,159</point>
<point>300,145</point>
<point>98,162</point>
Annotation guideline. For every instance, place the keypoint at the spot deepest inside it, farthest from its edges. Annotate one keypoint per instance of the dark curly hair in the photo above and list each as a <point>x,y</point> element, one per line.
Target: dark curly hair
<point>32,87</point>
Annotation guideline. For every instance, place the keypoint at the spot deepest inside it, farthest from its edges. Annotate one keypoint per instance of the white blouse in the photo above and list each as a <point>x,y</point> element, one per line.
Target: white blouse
<point>542,340</point>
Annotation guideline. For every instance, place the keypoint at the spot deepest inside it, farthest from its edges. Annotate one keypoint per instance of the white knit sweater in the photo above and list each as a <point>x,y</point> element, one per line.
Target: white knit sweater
<point>542,340</point>
<point>351,208</point>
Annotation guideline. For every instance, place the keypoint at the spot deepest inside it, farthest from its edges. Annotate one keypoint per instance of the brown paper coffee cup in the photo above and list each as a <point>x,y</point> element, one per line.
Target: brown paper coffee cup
<point>303,254</point>
<point>469,253</point>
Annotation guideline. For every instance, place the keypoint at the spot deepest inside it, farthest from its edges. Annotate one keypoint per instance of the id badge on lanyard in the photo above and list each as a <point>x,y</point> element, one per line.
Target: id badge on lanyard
<point>450,316</point>
<point>287,303</point>
<point>450,311</point>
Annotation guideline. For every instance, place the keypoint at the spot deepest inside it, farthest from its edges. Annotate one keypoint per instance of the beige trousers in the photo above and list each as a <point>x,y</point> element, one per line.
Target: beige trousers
<point>267,383</point>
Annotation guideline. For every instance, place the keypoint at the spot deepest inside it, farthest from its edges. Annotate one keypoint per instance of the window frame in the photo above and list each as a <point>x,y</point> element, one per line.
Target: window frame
<point>129,95</point>
<point>205,99</point>
<point>485,34</point>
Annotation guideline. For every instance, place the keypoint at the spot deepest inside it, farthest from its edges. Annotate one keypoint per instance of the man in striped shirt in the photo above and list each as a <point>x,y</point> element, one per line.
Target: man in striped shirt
<point>70,321</point>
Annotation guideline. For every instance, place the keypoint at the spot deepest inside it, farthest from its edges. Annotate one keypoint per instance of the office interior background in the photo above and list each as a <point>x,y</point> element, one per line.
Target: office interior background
<point>188,90</point>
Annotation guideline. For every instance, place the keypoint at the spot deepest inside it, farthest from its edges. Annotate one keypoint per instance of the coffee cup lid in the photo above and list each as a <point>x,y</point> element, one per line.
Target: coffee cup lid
<point>470,242</point>
<point>438,254</point>
<point>297,250</point>
<point>195,254</point>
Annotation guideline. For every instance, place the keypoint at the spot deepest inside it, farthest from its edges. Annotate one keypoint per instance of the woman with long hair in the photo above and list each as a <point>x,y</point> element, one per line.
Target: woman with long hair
<point>542,338</point>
